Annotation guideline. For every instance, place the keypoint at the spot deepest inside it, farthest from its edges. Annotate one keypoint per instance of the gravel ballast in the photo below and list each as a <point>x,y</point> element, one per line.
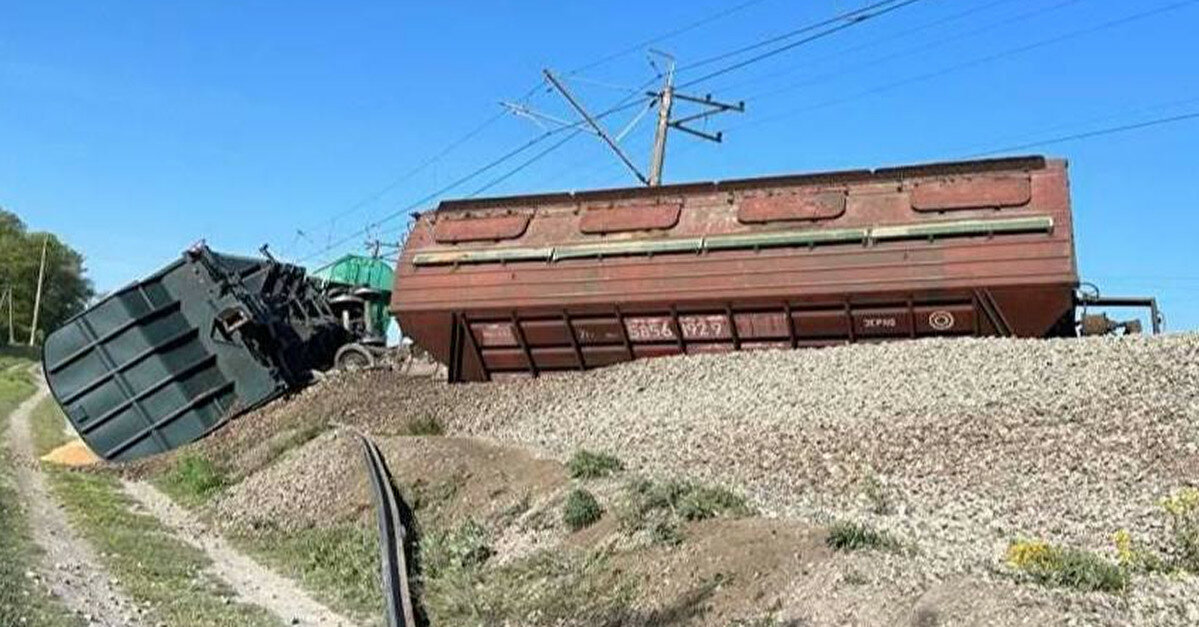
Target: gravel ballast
<point>957,447</point>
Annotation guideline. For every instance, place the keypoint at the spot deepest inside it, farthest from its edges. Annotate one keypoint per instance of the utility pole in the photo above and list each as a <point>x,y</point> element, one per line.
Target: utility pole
<point>665,103</point>
<point>665,100</point>
<point>8,294</point>
<point>37,299</point>
<point>12,339</point>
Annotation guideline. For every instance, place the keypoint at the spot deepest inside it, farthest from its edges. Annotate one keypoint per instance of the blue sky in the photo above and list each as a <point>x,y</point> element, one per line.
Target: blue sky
<point>136,128</point>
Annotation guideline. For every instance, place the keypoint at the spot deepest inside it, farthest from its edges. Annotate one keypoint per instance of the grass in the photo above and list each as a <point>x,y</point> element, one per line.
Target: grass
<point>193,480</point>
<point>660,508</point>
<point>586,464</point>
<point>461,586</point>
<point>1066,567</point>
<point>581,510</point>
<point>154,567</point>
<point>22,600</point>
<point>46,428</point>
<point>17,356</point>
<point>851,536</point>
<point>880,500</point>
<point>339,565</point>
<point>1182,510</point>
<point>423,426</point>
<point>689,501</point>
<point>15,386</point>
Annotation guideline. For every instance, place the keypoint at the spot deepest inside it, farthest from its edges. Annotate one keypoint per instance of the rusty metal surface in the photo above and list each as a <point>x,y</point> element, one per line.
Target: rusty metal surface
<point>964,193</point>
<point>489,228</point>
<point>802,205</point>
<point>629,218</point>
<point>870,267</point>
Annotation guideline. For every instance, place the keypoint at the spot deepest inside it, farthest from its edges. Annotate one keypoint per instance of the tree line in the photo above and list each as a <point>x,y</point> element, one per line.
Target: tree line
<point>66,290</point>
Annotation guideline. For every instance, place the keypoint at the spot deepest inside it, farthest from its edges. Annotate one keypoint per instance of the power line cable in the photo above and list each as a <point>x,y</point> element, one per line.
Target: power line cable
<point>971,63</point>
<point>1095,133</point>
<point>471,175</point>
<point>866,45</point>
<point>870,63</point>
<point>781,49</point>
<point>1123,112</point>
<point>474,132</point>
<point>528,162</point>
<point>639,46</point>
<point>847,16</point>
<point>849,19</point>
<point>925,26</point>
<point>407,208</point>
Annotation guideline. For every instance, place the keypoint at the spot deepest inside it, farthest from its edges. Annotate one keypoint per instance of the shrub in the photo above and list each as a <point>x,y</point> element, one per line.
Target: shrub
<point>660,508</point>
<point>581,510</point>
<point>585,464</point>
<point>701,502</point>
<point>850,536</point>
<point>1182,507</point>
<point>1066,567</point>
<point>880,501</point>
<point>426,425</point>
<point>463,548</point>
<point>689,501</point>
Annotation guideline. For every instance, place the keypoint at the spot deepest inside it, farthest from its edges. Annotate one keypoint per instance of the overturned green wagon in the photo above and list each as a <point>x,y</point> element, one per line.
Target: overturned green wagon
<point>165,360</point>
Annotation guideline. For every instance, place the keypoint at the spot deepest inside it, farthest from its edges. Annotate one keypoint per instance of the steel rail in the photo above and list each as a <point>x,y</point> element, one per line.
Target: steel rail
<point>392,536</point>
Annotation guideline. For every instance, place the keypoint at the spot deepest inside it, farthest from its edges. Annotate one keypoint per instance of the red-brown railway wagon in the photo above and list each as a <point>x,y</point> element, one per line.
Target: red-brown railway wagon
<point>531,284</point>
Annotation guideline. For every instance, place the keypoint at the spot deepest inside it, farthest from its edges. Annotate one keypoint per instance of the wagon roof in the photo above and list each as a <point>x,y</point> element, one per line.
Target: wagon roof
<point>1032,162</point>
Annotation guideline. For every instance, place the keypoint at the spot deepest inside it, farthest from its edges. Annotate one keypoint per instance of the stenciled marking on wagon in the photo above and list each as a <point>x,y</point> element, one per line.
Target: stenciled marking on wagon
<point>708,327</point>
<point>649,329</point>
<point>495,333</point>
<point>941,320</point>
<point>880,323</point>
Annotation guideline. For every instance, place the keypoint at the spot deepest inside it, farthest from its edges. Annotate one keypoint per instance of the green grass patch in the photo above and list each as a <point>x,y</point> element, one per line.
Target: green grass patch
<point>193,479</point>
<point>15,386</point>
<point>851,536</point>
<point>586,464</point>
<point>689,501</point>
<point>1182,511</point>
<point>426,425</point>
<point>581,510</point>
<point>153,566</point>
<point>47,427</point>
<point>22,600</point>
<point>17,356</point>
<point>660,508</point>
<point>1066,567</point>
<point>461,585</point>
<point>339,565</point>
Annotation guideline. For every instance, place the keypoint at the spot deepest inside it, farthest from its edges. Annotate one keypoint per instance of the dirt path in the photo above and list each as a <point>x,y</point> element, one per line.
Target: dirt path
<point>69,567</point>
<point>253,583</point>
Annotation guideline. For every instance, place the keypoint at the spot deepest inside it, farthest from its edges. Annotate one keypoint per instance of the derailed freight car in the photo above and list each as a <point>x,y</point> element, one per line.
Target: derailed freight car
<point>529,284</point>
<point>163,361</point>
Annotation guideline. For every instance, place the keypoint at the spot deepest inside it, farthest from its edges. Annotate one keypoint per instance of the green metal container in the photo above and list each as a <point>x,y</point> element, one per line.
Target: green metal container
<point>362,271</point>
<point>162,362</point>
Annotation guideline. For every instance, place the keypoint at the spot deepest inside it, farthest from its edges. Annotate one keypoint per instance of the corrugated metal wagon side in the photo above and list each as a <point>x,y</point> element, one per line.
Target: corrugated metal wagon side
<point>527,285</point>
<point>165,360</point>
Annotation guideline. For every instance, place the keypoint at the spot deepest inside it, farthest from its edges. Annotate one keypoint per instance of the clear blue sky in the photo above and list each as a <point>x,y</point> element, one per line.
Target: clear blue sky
<point>136,128</point>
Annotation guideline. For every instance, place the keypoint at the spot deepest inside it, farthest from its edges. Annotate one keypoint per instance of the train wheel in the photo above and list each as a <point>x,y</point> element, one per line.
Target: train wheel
<point>353,357</point>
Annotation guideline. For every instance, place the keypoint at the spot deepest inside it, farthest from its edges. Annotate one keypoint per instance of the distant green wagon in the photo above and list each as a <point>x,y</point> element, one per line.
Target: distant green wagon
<point>366,278</point>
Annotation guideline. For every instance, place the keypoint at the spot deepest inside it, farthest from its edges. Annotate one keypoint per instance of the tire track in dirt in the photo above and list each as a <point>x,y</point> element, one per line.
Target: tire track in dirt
<point>69,567</point>
<point>252,582</point>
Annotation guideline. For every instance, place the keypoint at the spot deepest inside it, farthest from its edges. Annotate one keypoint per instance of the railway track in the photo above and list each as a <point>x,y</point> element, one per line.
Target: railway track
<point>393,537</point>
